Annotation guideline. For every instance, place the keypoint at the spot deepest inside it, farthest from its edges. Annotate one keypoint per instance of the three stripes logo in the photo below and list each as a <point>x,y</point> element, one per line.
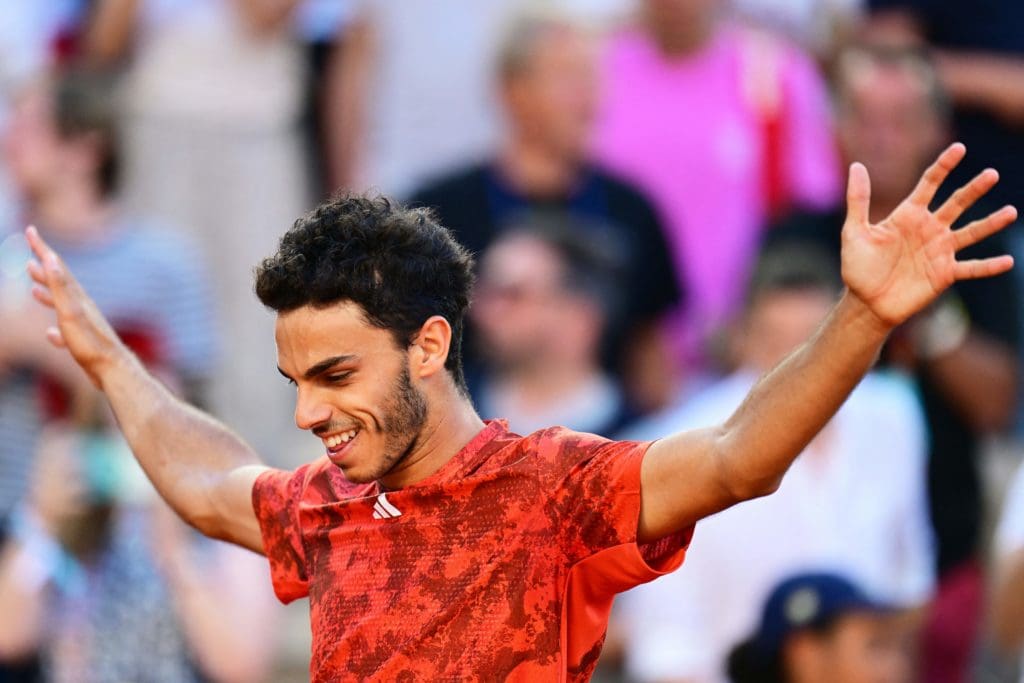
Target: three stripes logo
<point>383,509</point>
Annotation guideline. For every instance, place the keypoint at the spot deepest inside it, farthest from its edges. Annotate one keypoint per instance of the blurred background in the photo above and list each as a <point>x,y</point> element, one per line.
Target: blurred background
<point>654,193</point>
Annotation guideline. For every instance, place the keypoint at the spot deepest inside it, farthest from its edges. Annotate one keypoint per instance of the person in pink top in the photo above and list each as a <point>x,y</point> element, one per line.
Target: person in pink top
<point>722,126</point>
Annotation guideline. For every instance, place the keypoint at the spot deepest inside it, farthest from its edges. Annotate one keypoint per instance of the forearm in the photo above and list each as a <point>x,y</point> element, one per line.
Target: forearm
<point>979,380</point>
<point>190,457</point>
<point>793,402</point>
<point>693,474</point>
<point>985,81</point>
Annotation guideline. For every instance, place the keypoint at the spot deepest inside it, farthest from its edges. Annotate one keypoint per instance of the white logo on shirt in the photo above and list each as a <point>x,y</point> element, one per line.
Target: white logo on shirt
<point>383,509</point>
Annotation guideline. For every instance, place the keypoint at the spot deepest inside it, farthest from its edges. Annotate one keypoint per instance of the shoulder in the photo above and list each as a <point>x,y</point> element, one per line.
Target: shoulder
<point>443,190</point>
<point>621,193</point>
<point>314,483</point>
<point>558,449</point>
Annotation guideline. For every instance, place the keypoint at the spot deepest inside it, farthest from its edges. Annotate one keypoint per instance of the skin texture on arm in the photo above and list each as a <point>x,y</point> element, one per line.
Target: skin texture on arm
<point>200,467</point>
<point>892,270</point>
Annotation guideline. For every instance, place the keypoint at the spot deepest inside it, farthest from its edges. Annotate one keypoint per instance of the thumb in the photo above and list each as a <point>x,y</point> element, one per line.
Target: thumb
<point>858,194</point>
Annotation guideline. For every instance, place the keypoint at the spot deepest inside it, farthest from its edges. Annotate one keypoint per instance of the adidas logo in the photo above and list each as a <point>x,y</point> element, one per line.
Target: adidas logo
<point>383,509</point>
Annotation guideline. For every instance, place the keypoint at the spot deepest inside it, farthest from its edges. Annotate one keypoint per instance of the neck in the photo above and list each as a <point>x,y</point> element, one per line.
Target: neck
<point>73,213</point>
<point>534,169</point>
<point>544,384</point>
<point>680,44</point>
<point>442,437</point>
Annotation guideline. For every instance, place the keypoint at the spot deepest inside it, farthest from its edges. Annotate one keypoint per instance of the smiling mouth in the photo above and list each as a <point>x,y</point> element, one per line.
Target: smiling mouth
<point>338,443</point>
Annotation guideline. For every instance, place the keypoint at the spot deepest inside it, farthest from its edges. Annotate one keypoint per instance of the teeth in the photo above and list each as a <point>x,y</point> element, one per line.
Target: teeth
<point>335,441</point>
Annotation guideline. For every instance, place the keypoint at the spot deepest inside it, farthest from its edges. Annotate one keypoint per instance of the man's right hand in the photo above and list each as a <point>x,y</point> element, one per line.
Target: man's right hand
<point>81,328</point>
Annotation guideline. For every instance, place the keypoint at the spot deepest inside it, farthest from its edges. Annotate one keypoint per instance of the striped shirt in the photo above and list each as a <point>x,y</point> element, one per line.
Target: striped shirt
<point>141,277</point>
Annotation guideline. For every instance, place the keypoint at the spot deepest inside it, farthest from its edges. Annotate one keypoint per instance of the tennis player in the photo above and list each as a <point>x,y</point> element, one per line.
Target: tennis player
<point>435,546</point>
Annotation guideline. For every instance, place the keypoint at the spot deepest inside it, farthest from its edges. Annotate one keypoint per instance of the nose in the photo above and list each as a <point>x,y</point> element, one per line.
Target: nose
<point>310,412</point>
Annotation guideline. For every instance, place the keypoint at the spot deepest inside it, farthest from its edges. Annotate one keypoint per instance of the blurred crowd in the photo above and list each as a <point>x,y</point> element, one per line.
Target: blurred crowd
<point>653,190</point>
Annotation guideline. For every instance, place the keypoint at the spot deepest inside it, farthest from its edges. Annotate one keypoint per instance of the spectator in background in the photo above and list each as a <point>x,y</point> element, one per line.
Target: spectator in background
<point>722,126</point>
<point>102,578</point>
<point>544,300</point>
<point>979,55</point>
<point>892,117</point>
<point>212,93</point>
<point>853,502</point>
<point>547,89</point>
<point>33,38</point>
<point>414,90</point>
<point>60,145</point>
<point>1007,599</point>
<point>820,628</point>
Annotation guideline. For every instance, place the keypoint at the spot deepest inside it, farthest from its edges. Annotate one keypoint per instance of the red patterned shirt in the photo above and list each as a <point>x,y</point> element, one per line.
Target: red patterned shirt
<point>500,566</point>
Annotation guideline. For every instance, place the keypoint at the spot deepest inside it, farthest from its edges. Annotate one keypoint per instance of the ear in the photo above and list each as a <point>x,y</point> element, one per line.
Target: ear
<point>430,347</point>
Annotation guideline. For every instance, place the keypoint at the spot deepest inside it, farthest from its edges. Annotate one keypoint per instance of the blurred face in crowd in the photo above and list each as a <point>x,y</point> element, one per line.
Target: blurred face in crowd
<point>888,121</point>
<point>354,387</point>
<point>551,99</point>
<point>778,321</point>
<point>681,25</point>
<point>39,158</point>
<point>859,648</point>
<point>523,312</point>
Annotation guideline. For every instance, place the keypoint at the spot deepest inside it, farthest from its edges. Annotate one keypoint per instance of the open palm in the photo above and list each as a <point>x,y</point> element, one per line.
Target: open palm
<point>900,265</point>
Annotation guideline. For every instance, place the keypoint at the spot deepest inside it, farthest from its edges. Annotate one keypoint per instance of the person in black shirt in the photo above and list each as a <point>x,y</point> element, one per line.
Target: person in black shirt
<point>978,48</point>
<point>548,94</point>
<point>962,351</point>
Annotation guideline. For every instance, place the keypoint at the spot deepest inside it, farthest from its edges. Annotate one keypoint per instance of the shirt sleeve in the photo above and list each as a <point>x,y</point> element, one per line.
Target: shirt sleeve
<point>276,496</point>
<point>598,502</point>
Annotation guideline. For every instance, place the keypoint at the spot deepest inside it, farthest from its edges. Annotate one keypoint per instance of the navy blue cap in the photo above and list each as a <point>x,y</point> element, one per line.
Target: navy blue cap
<point>806,601</point>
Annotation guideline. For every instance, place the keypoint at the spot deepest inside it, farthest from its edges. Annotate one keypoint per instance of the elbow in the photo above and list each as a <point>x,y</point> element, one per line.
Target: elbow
<point>740,481</point>
<point>751,488</point>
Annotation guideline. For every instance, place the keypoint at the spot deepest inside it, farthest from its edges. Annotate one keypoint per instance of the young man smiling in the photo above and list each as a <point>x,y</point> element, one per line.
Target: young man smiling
<point>433,546</point>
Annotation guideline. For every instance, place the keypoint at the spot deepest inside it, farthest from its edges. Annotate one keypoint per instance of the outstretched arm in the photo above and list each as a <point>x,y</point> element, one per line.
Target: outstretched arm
<point>892,270</point>
<point>202,469</point>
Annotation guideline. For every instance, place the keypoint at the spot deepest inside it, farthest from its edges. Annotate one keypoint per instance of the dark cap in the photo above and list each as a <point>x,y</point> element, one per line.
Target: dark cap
<point>808,601</point>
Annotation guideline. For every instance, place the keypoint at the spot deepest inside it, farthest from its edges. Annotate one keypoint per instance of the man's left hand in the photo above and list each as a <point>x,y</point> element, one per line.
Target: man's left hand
<point>899,266</point>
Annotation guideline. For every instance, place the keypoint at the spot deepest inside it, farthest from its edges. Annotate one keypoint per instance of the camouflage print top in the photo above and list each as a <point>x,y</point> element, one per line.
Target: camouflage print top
<point>500,566</point>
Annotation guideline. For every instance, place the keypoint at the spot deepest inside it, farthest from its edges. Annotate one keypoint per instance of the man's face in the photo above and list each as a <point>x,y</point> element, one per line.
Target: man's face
<point>864,648</point>
<point>353,388</point>
<point>553,100</point>
<point>887,122</point>
<point>518,303</point>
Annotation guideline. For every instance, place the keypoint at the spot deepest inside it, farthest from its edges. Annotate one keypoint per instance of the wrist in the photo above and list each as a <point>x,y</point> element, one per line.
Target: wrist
<point>112,365</point>
<point>857,313</point>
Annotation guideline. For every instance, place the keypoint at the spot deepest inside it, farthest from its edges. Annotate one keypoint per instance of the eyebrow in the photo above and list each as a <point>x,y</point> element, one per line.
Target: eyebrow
<point>323,366</point>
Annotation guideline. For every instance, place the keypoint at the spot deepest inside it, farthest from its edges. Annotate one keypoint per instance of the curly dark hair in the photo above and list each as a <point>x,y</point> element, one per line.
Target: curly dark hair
<point>398,264</point>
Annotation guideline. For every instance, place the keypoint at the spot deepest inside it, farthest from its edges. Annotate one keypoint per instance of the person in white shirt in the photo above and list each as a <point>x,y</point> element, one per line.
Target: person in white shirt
<point>854,502</point>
